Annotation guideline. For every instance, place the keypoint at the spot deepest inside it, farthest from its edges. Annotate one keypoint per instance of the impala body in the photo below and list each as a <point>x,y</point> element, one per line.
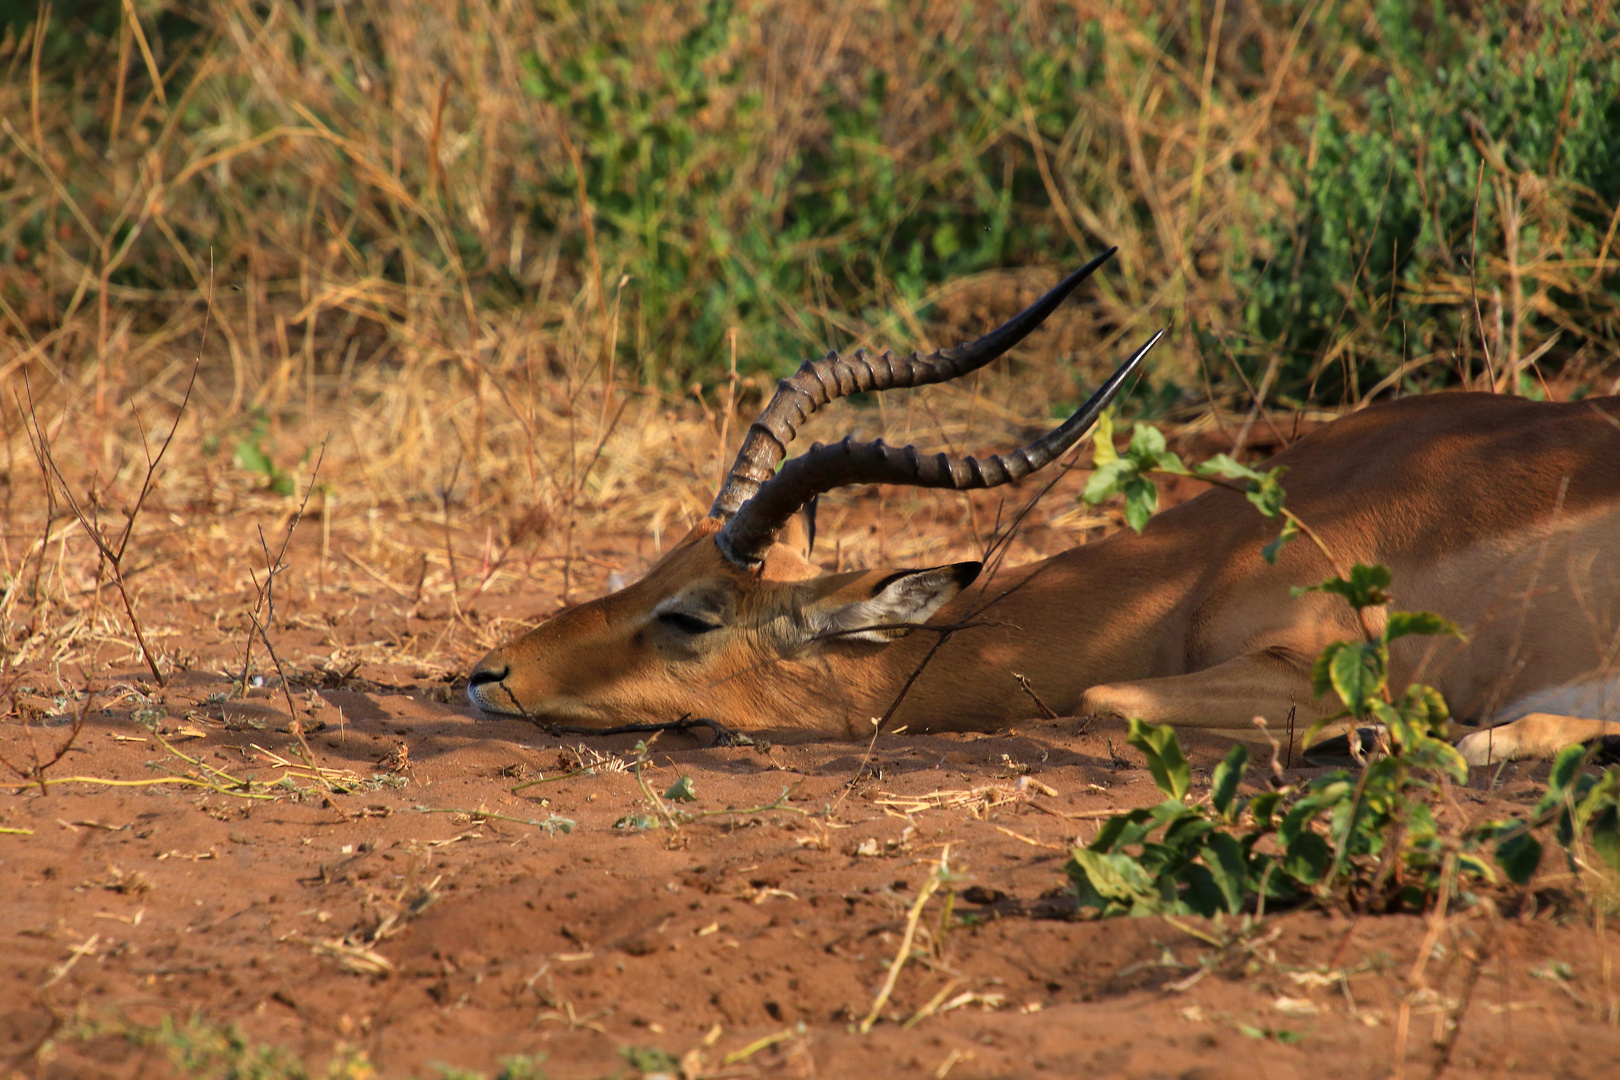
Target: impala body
<point>1498,513</point>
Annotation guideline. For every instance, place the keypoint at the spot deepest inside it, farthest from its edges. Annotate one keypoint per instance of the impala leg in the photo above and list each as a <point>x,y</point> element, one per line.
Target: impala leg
<point>1538,735</point>
<point>1225,698</point>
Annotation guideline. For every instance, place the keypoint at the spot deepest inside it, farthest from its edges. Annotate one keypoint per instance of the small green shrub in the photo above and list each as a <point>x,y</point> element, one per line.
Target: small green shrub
<point>197,1046</point>
<point>1368,836</point>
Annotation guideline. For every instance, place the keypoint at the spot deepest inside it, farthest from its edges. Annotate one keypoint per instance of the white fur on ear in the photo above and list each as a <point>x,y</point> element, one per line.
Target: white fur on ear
<point>903,600</point>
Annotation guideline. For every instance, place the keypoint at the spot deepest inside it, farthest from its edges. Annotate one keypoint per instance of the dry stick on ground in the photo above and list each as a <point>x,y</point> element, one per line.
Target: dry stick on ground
<point>1024,685</point>
<point>112,552</point>
<point>940,874</point>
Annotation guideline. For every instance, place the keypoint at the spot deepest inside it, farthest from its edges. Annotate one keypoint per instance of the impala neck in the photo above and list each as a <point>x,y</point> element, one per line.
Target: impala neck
<point>1027,621</point>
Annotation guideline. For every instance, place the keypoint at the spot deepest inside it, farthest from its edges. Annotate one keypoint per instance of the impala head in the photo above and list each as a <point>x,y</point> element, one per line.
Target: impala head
<point>733,624</point>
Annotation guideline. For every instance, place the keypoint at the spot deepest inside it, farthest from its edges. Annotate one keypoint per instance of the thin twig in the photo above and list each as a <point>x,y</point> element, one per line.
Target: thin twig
<point>35,773</point>
<point>1473,278</point>
<point>112,554</point>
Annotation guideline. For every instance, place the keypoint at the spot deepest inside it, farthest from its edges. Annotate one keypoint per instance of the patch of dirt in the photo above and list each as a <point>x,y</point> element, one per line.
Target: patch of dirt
<point>396,919</point>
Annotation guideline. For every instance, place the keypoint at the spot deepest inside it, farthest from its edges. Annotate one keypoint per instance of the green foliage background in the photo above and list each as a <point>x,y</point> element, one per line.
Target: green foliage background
<point>1337,197</point>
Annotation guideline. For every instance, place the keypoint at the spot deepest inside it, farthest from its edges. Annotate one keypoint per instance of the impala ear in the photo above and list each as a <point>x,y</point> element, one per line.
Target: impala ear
<point>899,602</point>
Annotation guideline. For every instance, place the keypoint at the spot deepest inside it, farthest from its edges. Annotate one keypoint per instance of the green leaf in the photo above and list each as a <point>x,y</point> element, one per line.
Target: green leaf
<point>1326,792</point>
<point>1102,440</point>
<point>1109,480</point>
<point>1186,831</point>
<point>1263,489</point>
<point>682,790</point>
<point>1366,586</point>
<point>1224,784</point>
<point>1478,867</point>
<point>1603,831</point>
<point>1596,796</point>
<point>1322,669</point>
<point>1402,623</point>
<point>1147,444</point>
<point>1307,859</point>
<point>1109,877</point>
<point>1369,585</point>
<point>1171,463</point>
<point>1122,829</point>
<point>1272,550</point>
<point>251,456</point>
<point>1358,673</point>
<point>1141,499</point>
<point>1267,494</point>
<point>1116,475</point>
<point>1263,806</point>
<point>1518,856</point>
<point>1194,892</point>
<point>1427,752</point>
<point>1425,708</point>
<point>1228,468</point>
<point>1566,767</point>
<point>1164,757</point>
<point>1224,858</point>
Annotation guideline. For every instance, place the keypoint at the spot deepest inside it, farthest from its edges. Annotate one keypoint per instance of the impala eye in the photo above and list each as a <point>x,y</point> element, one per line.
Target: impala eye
<point>686,623</point>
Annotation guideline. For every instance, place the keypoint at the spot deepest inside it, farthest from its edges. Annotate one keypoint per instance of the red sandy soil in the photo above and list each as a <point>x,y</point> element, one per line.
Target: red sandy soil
<point>421,912</point>
<point>503,938</point>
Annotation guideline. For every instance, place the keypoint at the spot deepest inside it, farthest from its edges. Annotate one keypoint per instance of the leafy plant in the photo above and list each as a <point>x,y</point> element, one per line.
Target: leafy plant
<point>197,1046</point>
<point>1367,835</point>
<point>650,1059</point>
<point>251,455</point>
<point>1131,475</point>
<point>1581,809</point>
<point>682,790</point>
<point>1358,671</point>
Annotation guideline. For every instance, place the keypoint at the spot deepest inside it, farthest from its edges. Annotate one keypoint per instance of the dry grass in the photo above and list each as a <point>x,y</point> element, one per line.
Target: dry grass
<point>406,275</point>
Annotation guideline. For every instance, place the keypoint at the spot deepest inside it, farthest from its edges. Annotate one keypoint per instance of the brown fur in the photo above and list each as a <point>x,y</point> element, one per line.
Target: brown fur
<point>1499,513</point>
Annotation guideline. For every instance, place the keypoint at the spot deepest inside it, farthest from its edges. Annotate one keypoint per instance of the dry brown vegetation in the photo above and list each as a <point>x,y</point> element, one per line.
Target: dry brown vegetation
<point>443,385</point>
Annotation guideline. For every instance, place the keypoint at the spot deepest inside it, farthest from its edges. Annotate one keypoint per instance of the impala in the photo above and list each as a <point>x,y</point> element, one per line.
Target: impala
<point>1499,513</point>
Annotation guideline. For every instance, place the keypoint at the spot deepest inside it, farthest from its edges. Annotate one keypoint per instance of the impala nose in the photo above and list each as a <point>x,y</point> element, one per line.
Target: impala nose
<point>482,676</point>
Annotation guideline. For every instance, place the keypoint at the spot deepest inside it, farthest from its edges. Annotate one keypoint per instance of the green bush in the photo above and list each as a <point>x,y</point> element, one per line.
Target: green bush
<point>723,218</point>
<point>1373,266</point>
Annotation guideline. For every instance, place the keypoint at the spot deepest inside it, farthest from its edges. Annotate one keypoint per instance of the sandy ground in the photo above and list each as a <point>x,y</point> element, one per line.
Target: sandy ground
<point>395,918</point>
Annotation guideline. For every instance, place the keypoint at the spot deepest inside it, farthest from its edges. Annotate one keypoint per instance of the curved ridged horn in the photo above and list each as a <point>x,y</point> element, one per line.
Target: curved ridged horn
<point>751,530</point>
<point>834,376</point>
